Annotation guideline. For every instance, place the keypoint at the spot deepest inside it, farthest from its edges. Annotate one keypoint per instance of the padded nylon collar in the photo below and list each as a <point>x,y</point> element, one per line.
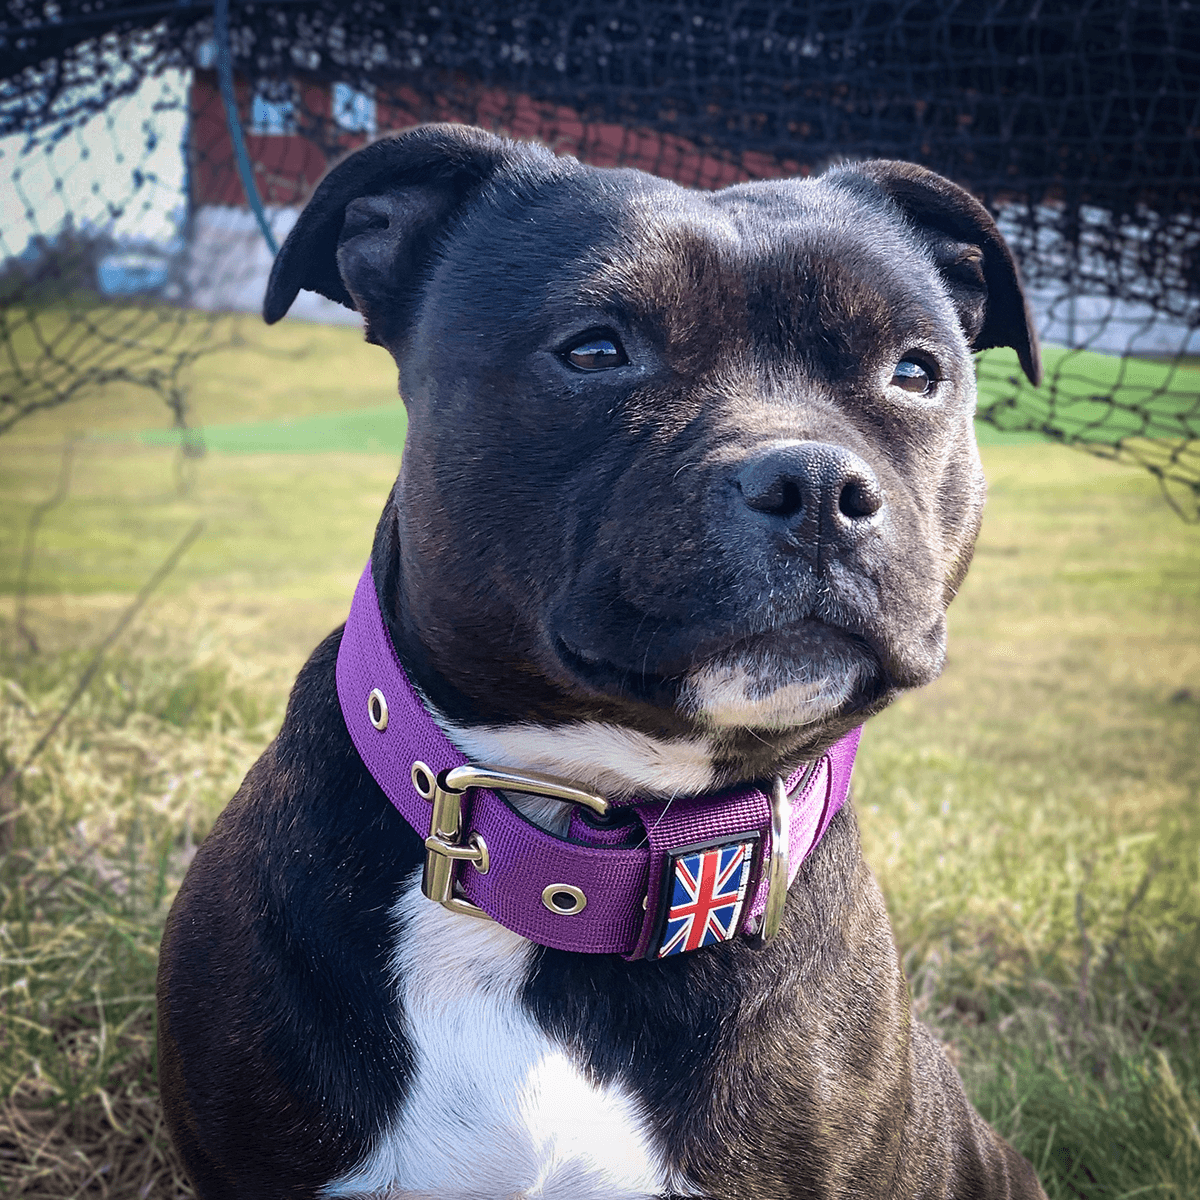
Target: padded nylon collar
<point>623,884</point>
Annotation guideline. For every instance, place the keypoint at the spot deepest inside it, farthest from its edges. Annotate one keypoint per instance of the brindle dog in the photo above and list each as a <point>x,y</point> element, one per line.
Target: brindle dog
<point>690,480</point>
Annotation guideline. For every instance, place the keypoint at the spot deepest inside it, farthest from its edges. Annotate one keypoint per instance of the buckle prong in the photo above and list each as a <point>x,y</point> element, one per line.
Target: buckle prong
<point>533,782</point>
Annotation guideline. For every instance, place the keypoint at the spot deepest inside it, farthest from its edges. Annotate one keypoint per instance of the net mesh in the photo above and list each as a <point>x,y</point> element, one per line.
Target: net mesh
<point>127,230</point>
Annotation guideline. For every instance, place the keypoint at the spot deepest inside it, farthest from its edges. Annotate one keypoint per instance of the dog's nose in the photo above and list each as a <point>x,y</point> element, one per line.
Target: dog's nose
<point>799,482</point>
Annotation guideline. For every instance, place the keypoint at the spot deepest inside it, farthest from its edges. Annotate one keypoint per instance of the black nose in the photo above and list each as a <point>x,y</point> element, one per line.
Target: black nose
<point>800,482</point>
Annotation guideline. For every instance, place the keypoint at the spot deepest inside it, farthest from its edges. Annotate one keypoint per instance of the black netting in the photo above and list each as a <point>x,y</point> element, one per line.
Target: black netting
<point>1077,123</point>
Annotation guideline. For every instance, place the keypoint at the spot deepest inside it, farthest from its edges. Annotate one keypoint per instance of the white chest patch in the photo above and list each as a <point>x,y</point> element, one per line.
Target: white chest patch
<point>497,1110</point>
<point>617,762</point>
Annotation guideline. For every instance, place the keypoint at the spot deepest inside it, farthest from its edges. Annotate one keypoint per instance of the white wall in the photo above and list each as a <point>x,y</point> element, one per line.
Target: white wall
<point>228,263</point>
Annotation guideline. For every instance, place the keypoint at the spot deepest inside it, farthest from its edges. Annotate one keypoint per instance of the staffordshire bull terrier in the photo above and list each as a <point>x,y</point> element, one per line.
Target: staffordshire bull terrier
<point>546,887</point>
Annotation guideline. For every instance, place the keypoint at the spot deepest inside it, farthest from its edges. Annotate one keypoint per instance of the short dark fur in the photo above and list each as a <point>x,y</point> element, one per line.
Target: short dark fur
<point>567,547</point>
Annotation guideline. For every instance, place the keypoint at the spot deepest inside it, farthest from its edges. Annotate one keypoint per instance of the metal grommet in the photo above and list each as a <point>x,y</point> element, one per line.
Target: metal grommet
<point>563,899</point>
<point>483,862</point>
<point>377,709</point>
<point>423,779</point>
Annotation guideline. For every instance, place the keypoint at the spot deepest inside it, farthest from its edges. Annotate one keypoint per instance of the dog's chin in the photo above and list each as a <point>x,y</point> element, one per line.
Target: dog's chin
<point>785,681</point>
<point>735,696</point>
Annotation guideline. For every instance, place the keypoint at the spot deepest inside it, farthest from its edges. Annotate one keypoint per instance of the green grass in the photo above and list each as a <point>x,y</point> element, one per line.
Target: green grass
<point>96,836</point>
<point>1091,397</point>
<point>376,430</point>
<point>1032,816</point>
<point>1033,820</point>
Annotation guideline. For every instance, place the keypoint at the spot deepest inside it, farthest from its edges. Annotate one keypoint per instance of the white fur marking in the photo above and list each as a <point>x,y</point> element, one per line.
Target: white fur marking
<point>617,762</point>
<point>736,696</point>
<point>496,1108</point>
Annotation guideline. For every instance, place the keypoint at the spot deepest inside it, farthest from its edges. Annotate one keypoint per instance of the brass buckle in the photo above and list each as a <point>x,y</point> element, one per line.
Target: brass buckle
<point>443,848</point>
<point>779,866</point>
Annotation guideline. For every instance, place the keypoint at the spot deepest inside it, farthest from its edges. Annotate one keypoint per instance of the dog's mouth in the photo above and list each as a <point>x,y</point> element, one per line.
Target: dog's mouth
<point>608,678</point>
<point>779,679</point>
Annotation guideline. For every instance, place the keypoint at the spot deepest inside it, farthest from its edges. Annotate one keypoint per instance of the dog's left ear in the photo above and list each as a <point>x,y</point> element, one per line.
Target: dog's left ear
<point>974,261</point>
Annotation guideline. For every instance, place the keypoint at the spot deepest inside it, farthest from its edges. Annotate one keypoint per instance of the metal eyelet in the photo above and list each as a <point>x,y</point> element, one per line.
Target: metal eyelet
<point>483,862</point>
<point>377,709</point>
<point>424,781</point>
<point>564,900</point>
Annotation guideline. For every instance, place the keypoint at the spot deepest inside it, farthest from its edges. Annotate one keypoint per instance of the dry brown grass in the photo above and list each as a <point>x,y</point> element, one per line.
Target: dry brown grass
<point>111,1146</point>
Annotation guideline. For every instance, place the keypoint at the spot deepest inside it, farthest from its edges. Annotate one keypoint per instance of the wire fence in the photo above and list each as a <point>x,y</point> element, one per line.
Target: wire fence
<point>128,226</point>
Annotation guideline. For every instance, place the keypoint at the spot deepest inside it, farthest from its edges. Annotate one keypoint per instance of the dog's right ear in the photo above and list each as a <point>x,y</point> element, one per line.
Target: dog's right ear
<point>984,282</point>
<point>369,230</point>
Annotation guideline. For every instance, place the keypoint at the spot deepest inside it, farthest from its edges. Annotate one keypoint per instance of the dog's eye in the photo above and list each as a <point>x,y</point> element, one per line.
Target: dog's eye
<point>913,377</point>
<point>596,352</point>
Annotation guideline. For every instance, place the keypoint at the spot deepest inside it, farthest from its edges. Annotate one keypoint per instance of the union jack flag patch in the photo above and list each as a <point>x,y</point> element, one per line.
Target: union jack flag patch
<point>705,891</point>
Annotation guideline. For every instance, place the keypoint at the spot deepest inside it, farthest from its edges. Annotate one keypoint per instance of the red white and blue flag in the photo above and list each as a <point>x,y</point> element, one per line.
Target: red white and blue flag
<point>707,891</point>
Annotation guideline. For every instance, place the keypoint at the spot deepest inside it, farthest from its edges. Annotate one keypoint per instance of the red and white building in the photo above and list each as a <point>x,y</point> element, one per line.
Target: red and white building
<point>291,140</point>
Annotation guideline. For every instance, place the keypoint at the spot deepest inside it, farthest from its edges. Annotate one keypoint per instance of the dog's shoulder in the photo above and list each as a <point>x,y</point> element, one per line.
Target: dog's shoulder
<point>277,943</point>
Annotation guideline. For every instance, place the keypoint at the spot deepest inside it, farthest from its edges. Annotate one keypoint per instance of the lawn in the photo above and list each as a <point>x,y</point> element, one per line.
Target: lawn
<point>1032,816</point>
<point>1093,397</point>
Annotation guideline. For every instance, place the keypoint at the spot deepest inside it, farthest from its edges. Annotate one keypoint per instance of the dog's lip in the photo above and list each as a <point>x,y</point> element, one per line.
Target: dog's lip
<point>782,638</point>
<point>600,674</point>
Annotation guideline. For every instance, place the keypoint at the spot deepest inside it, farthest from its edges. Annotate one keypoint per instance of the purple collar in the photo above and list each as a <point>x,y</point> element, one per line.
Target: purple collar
<point>701,870</point>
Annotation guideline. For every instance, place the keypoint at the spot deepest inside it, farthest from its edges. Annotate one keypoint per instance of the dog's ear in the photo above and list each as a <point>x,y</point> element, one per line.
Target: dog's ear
<point>975,263</point>
<point>371,226</point>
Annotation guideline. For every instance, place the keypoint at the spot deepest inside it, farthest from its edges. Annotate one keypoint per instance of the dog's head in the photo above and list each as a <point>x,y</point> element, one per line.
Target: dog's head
<point>699,465</point>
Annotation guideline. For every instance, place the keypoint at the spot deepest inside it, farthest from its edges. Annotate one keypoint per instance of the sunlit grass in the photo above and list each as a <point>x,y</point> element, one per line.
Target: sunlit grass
<point>1032,816</point>
<point>1033,820</point>
<point>246,372</point>
<point>96,834</point>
